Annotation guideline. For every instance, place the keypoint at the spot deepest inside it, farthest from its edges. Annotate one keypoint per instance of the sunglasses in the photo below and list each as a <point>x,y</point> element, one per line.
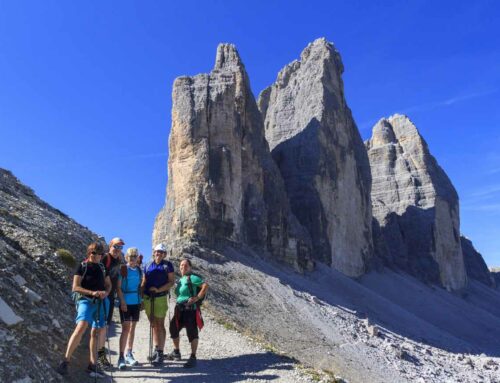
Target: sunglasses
<point>132,257</point>
<point>96,253</point>
<point>118,247</point>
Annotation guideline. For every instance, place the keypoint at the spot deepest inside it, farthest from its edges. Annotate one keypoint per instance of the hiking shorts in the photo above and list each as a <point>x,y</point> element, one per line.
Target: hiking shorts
<point>86,310</point>
<point>131,315</point>
<point>183,319</point>
<point>160,306</point>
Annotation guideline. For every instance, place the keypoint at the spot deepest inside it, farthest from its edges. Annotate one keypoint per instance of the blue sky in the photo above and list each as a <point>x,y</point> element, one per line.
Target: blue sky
<point>86,91</point>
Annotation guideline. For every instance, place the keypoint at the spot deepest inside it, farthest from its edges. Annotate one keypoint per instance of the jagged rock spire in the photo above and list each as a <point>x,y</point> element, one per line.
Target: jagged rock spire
<point>321,156</point>
<point>415,205</point>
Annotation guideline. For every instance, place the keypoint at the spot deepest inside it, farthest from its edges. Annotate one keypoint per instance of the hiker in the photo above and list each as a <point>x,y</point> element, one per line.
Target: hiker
<point>91,286</point>
<point>112,261</point>
<point>129,293</point>
<point>157,280</point>
<point>190,291</point>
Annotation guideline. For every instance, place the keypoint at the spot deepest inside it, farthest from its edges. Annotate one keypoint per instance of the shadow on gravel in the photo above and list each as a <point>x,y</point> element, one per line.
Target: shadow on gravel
<point>227,370</point>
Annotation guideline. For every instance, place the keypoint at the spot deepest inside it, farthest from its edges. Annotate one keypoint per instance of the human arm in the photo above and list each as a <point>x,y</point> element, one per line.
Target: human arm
<point>77,288</point>
<point>200,295</point>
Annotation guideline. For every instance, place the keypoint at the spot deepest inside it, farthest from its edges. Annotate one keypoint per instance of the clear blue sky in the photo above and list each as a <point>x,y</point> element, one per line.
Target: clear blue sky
<point>85,92</point>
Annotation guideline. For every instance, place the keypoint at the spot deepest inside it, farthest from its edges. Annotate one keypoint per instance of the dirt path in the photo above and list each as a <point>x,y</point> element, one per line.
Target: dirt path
<point>224,356</point>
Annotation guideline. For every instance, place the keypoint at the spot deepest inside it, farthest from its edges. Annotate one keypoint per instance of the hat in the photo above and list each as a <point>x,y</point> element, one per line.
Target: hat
<point>116,241</point>
<point>160,247</point>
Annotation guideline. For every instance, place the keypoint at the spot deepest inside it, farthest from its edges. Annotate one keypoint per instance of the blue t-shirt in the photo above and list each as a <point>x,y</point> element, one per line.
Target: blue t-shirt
<point>130,286</point>
<point>157,274</point>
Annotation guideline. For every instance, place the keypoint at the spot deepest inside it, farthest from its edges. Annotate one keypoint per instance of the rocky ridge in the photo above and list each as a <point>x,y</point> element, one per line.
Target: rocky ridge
<point>475,265</point>
<point>36,312</point>
<point>321,156</point>
<point>415,206</point>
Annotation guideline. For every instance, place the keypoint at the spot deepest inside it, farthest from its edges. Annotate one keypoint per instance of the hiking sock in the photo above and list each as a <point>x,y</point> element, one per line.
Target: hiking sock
<point>121,355</point>
<point>101,351</point>
<point>193,356</point>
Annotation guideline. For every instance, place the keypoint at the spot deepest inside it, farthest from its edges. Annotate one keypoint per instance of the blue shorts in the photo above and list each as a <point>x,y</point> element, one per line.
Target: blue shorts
<point>86,310</point>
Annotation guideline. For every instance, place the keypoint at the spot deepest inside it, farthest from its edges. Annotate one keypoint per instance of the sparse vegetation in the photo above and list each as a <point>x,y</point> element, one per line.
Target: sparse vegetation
<point>66,257</point>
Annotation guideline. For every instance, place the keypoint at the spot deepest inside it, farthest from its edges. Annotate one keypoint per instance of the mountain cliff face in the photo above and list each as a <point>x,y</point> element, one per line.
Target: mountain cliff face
<point>415,205</point>
<point>320,154</point>
<point>36,312</point>
<point>475,265</point>
<point>223,184</point>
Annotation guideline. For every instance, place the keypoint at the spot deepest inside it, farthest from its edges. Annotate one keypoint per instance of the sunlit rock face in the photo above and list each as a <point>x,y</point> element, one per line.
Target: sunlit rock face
<point>223,185</point>
<point>320,154</point>
<point>415,206</point>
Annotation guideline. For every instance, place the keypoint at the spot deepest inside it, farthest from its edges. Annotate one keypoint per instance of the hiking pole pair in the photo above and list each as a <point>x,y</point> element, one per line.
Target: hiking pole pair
<point>151,319</point>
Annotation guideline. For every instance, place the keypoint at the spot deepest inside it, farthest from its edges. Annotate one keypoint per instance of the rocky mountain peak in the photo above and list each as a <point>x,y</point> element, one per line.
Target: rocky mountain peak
<point>321,156</point>
<point>415,205</point>
<point>227,57</point>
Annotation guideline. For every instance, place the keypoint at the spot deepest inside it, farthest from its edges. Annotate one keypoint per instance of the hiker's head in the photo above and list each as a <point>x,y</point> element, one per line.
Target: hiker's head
<point>159,252</point>
<point>131,255</point>
<point>95,252</point>
<point>185,266</point>
<point>116,246</point>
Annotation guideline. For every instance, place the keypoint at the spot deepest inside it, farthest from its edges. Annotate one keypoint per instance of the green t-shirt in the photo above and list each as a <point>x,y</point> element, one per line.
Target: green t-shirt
<point>182,289</point>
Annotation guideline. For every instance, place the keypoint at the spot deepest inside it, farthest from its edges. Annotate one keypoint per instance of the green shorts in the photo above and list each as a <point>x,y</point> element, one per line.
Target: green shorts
<point>160,306</point>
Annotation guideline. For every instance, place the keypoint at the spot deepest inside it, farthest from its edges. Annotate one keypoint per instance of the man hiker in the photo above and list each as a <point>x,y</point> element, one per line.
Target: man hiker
<point>157,280</point>
<point>91,286</point>
<point>190,290</point>
<point>112,261</point>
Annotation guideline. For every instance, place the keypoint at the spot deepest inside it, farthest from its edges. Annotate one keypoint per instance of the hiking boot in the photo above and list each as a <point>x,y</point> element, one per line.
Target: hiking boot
<point>130,360</point>
<point>121,363</point>
<point>95,371</point>
<point>174,355</point>
<point>158,359</point>
<point>102,361</point>
<point>191,362</point>
<point>151,358</point>
<point>63,368</point>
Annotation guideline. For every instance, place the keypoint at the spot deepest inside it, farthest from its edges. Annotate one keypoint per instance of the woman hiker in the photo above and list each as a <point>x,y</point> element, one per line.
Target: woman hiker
<point>91,286</point>
<point>190,290</point>
<point>157,280</point>
<point>129,293</point>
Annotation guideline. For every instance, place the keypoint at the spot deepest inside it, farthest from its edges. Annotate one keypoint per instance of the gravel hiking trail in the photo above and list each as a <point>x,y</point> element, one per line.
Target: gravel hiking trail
<point>224,356</point>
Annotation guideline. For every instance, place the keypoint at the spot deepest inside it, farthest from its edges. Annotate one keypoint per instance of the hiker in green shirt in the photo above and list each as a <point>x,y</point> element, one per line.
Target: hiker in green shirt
<point>190,291</point>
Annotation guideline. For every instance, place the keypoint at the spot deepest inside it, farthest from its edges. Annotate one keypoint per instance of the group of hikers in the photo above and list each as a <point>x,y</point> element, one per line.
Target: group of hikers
<point>105,278</point>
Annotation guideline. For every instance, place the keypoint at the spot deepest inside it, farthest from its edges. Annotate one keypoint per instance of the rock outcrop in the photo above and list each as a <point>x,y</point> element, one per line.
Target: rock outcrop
<point>35,310</point>
<point>320,154</point>
<point>223,185</point>
<point>415,206</point>
<point>475,266</point>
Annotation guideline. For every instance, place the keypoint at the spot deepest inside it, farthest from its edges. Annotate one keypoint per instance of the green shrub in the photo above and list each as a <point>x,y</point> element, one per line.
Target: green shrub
<point>66,257</point>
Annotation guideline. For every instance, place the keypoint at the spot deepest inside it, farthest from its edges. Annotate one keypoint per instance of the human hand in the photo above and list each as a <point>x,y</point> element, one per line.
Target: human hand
<point>123,306</point>
<point>153,289</point>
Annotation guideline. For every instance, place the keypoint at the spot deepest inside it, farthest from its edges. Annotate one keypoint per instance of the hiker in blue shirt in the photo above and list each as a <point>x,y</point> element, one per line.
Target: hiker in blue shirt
<point>158,278</point>
<point>129,293</point>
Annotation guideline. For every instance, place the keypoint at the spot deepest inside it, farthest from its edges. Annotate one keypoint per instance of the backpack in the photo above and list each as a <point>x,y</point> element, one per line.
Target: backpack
<point>191,289</point>
<point>75,296</point>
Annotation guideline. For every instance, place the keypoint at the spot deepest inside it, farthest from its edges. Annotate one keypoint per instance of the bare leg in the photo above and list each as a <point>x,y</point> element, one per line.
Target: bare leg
<point>176,343</point>
<point>94,339</point>
<point>194,346</point>
<point>124,336</point>
<point>102,337</point>
<point>131,335</point>
<point>75,338</point>
<point>162,332</point>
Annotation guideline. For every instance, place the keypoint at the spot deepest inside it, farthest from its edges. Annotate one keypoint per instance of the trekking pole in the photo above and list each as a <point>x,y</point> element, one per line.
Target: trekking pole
<point>96,340</point>
<point>152,321</point>
<point>151,318</point>
<point>109,350</point>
